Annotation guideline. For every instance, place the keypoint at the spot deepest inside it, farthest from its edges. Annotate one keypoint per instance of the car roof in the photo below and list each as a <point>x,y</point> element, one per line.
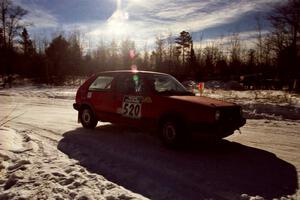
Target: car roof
<point>130,72</point>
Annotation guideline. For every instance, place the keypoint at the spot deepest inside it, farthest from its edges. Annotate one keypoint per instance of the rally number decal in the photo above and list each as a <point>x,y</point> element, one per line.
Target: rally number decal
<point>132,110</point>
<point>132,107</point>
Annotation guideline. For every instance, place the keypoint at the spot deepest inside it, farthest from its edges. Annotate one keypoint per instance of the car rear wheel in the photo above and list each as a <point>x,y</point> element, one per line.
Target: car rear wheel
<point>171,133</point>
<point>87,118</point>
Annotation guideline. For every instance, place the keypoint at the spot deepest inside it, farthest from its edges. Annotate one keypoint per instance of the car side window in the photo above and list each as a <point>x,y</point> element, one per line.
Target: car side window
<point>130,84</point>
<point>101,83</point>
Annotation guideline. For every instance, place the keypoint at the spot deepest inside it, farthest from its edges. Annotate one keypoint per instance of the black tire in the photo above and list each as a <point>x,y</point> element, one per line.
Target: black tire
<point>171,133</point>
<point>87,118</point>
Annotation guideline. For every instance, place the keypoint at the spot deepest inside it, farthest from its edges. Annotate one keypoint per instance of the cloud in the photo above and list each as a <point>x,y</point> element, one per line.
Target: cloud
<point>42,19</point>
<point>191,15</point>
<point>37,16</point>
<point>248,39</point>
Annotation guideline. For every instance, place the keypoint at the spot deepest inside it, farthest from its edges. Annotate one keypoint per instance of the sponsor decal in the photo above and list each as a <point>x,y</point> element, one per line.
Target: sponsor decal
<point>147,100</point>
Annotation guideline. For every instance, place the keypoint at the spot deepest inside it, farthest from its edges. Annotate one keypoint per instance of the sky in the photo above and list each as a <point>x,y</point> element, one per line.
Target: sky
<point>143,20</point>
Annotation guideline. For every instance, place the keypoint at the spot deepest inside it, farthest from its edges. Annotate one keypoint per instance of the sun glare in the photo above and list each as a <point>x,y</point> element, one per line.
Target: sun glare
<point>117,24</point>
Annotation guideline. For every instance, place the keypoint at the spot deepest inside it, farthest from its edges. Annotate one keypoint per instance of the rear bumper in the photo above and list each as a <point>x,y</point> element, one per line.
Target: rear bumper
<point>76,106</point>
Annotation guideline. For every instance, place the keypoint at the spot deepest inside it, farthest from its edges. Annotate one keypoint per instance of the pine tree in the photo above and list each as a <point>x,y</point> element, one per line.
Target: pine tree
<point>184,42</point>
<point>185,50</point>
<point>26,43</point>
<point>58,59</point>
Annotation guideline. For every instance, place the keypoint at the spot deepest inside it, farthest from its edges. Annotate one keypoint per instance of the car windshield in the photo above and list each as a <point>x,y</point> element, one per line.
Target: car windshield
<point>166,85</point>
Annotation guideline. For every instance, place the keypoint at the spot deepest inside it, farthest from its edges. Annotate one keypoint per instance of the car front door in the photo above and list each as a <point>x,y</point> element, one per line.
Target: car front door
<point>129,99</point>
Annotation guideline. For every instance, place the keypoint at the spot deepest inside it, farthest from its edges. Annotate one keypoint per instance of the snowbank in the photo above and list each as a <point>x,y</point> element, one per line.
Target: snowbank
<point>262,104</point>
<point>9,140</point>
<point>43,91</point>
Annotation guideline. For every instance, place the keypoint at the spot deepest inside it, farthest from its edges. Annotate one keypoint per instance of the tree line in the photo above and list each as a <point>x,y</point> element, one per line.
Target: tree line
<point>272,62</point>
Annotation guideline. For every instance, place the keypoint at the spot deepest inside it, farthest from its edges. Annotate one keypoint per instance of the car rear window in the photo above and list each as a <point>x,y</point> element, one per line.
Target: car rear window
<point>102,83</point>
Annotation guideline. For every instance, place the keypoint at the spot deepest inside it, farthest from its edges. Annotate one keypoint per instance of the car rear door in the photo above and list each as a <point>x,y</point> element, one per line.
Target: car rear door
<point>101,95</point>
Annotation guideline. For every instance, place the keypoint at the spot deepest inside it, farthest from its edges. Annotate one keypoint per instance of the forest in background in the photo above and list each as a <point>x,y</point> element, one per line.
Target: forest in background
<point>272,63</point>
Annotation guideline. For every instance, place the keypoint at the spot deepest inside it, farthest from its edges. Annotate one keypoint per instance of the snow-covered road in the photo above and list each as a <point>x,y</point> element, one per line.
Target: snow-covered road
<point>64,161</point>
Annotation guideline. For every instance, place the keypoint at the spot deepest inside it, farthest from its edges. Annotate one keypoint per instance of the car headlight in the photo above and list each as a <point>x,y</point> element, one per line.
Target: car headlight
<point>217,115</point>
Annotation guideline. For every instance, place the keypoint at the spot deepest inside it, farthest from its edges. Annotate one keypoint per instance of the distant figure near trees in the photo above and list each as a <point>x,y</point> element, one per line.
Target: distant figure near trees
<point>4,82</point>
<point>7,80</point>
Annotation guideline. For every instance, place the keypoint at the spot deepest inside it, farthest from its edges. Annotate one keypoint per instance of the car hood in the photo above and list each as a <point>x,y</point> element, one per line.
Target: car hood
<point>203,101</point>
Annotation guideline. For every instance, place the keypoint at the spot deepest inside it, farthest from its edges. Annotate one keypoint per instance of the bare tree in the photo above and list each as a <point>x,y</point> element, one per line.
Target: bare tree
<point>235,48</point>
<point>75,54</point>
<point>285,39</point>
<point>212,56</point>
<point>4,5</point>
<point>146,58</point>
<point>114,55</point>
<point>11,24</point>
<point>159,51</point>
<point>259,44</point>
<point>101,55</point>
<point>286,22</point>
<point>128,53</point>
<point>235,52</point>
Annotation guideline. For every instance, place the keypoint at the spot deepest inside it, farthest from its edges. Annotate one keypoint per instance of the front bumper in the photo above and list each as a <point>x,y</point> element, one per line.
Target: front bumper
<point>219,129</point>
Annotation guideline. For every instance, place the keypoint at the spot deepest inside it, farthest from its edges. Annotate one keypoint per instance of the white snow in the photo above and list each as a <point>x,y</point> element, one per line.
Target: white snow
<point>32,169</point>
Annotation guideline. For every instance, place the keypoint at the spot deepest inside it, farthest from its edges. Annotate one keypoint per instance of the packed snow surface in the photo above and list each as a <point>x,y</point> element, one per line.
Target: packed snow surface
<point>34,169</point>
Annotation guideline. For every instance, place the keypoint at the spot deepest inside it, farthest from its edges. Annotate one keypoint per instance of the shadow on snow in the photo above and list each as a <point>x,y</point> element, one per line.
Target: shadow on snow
<point>141,164</point>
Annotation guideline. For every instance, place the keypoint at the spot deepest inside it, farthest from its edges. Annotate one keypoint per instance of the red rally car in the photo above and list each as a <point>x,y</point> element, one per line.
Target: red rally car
<point>151,99</point>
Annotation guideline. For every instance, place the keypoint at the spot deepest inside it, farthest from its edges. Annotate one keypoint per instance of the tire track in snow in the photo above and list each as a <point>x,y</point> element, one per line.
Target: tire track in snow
<point>34,128</point>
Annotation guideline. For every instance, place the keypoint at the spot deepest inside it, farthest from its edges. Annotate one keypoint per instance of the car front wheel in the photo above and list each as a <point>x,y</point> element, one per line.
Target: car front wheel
<point>87,118</point>
<point>171,134</point>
